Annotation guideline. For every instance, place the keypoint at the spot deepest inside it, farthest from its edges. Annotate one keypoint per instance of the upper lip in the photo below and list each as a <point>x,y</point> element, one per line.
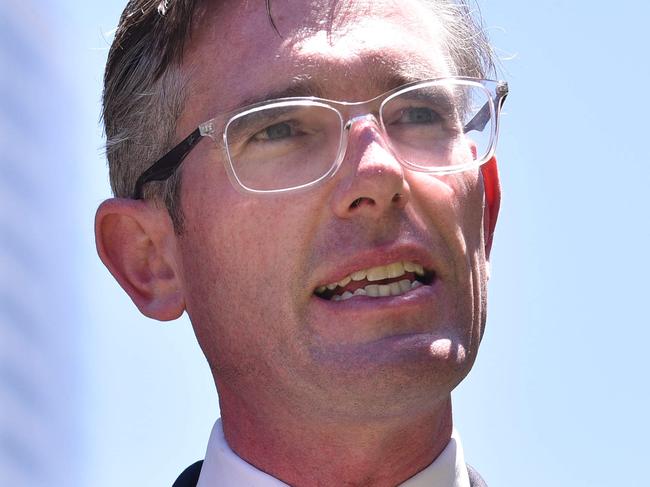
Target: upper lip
<point>377,256</point>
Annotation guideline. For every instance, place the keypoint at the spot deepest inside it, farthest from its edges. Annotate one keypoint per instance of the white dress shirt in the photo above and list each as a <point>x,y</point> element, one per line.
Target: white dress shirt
<point>223,468</point>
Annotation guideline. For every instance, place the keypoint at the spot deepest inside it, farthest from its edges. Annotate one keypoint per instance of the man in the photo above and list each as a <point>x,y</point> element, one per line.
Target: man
<point>328,231</point>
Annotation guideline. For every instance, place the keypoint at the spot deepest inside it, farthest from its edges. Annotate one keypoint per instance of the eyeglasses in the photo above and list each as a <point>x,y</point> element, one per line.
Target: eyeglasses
<point>437,126</point>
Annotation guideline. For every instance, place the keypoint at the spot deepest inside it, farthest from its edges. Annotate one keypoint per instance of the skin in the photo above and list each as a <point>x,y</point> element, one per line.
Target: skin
<point>354,393</point>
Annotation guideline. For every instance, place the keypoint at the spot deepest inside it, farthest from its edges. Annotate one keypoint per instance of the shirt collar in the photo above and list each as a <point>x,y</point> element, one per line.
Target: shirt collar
<point>224,468</point>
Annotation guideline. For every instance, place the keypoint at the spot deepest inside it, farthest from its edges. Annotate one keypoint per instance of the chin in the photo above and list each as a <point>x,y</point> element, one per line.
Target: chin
<point>404,375</point>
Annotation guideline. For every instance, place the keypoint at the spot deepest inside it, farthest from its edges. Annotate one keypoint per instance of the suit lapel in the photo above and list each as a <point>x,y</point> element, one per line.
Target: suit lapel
<point>190,476</point>
<point>475,480</point>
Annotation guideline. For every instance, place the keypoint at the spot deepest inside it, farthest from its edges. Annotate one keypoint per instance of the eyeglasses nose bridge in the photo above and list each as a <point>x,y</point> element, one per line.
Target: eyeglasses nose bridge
<point>359,118</point>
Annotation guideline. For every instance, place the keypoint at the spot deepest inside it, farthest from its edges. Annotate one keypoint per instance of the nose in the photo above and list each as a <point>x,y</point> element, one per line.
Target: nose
<point>371,180</point>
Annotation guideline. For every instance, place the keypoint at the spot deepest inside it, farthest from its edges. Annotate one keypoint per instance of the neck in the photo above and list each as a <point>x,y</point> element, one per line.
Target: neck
<point>381,452</point>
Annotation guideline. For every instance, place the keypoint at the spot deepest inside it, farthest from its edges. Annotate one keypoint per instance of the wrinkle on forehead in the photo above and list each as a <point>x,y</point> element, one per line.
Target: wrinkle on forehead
<point>382,43</point>
<point>349,50</point>
<point>383,66</point>
<point>333,20</point>
<point>331,15</point>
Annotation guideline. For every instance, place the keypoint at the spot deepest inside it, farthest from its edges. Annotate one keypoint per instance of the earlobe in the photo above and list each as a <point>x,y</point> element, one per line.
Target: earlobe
<point>492,188</point>
<point>136,242</point>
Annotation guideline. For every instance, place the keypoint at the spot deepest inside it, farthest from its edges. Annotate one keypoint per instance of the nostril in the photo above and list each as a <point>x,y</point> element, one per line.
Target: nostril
<point>397,197</point>
<point>362,201</point>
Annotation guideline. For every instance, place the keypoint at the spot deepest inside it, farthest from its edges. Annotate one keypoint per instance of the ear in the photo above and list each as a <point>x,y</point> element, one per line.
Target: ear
<point>492,188</point>
<point>136,242</point>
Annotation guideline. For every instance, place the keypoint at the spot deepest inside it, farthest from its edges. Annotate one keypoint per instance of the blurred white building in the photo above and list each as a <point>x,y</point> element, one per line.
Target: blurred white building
<point>38,310</point>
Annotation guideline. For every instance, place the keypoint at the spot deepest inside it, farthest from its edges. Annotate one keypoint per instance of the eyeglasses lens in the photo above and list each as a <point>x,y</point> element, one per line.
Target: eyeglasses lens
<point>290,144</point>
<point>284,146</point>
<point>441,125</point>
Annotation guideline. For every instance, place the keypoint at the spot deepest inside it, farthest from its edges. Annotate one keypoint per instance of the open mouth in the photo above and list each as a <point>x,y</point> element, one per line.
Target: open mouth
<point>393,279</point>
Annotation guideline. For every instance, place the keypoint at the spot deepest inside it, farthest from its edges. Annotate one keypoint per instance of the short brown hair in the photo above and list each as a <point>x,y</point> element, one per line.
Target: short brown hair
<point>144,89</point>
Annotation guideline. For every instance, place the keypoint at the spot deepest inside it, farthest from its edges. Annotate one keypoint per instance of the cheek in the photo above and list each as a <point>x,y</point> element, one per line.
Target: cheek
<point>241,270</point>
<point>230,310</point>
<point>470,210</point>
<point>229,235</point>
<point>453,209</point>
<point>470,213</point>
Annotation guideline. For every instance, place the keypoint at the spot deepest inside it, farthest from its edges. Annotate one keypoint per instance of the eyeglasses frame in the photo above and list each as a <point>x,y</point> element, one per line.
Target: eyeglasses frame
<point>164,167</point>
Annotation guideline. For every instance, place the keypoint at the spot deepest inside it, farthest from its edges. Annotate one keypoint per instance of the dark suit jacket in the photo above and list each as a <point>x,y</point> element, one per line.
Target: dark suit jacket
<point>190,477</point>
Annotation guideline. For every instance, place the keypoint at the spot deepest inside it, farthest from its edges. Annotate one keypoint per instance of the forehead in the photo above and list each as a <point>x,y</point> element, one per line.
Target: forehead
<point>345,49</point>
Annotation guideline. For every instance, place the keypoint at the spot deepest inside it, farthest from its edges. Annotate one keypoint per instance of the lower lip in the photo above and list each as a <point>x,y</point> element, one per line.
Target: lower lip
<point>363,320</point>
<point>364,304</point>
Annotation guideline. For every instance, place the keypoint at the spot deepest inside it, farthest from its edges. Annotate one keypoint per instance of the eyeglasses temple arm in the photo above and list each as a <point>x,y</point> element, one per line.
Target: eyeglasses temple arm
<point>164,167</point>
<point>480,120</point>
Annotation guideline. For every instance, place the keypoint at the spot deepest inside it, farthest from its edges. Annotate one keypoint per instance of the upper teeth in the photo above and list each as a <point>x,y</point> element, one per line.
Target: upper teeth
<point>389,271</point>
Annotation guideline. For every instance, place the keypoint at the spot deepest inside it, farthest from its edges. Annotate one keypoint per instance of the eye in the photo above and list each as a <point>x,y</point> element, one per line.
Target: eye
<point>277,131</point>
<point>419,115</point>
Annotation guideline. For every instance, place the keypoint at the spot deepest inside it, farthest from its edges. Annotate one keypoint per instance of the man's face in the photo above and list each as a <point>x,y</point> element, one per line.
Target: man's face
<point>251,265</point>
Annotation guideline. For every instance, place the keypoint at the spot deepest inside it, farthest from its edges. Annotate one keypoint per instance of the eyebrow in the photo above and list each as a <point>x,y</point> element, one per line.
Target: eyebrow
<point>381,75</point>
<point>298,87</point>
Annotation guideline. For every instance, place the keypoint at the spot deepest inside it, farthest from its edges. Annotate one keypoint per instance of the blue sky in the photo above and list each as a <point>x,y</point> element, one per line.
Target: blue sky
<point>559,394</point>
